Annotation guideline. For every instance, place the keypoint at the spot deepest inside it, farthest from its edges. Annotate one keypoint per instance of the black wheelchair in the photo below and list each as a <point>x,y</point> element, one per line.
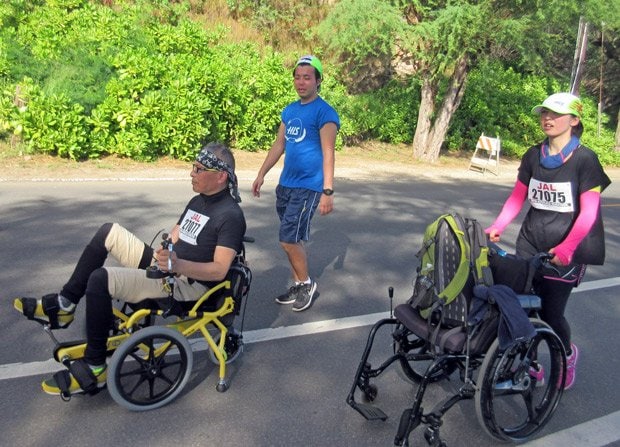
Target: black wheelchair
<point>515,389</point>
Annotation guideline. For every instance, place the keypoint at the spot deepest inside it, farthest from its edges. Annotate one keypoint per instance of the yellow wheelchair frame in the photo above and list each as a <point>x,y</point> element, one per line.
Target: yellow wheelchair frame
<point>138,363</point>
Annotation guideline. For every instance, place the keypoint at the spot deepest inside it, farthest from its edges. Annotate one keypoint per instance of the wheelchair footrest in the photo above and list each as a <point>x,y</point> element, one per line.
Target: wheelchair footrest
<point>369,412</point>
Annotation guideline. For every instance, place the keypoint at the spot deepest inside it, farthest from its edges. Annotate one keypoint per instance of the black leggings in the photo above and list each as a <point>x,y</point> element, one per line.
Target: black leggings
<point>554,296</point>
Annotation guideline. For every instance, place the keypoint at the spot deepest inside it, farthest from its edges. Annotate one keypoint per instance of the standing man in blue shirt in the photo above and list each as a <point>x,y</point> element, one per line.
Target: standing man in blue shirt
<point>307,137</point>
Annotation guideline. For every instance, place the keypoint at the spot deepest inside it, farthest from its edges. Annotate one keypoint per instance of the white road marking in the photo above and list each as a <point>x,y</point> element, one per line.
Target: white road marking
<point>17,370</point>
<point>598,284</point>
<point>594,433</point>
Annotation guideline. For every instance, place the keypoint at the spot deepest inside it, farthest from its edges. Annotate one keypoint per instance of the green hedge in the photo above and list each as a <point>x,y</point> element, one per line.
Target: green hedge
<point>124,83</point>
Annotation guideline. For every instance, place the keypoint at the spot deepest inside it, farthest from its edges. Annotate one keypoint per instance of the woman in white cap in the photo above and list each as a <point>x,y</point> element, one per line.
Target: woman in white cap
<point>562,180</point>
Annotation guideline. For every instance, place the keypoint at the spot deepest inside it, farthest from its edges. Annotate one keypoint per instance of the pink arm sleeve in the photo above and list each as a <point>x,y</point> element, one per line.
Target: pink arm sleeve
<point>589,203</point>
<point>511,208</point>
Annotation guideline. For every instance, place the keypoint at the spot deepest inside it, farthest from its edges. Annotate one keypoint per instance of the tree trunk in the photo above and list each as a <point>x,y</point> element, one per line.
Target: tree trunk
<point>425,113</point>
<point>429,136</point>
<point>618,132</point>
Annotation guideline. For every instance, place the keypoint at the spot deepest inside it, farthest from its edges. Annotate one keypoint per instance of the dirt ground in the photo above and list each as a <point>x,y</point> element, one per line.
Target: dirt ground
<point>364,162</point>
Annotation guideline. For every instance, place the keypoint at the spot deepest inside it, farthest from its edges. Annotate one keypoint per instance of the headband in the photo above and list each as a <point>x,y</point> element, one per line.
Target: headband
<point>210,160</point>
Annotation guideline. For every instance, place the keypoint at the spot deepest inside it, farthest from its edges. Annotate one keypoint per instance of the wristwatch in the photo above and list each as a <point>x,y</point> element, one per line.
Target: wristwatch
<point>328,192</point>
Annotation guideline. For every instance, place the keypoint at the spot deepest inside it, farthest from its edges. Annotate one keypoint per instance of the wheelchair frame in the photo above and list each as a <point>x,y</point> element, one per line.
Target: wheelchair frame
<point>501,375</point>
<point>134,340</point>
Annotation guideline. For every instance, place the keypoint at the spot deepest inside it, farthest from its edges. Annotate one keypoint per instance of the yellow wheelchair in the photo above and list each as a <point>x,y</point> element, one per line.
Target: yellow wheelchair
<point>150,364</point>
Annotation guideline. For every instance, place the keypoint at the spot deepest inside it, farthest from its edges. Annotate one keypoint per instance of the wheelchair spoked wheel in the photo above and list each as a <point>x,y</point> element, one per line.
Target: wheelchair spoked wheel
<point>512,404</point>
<point>233,346</point>
<point>406,342</point>
<point>150,368</point>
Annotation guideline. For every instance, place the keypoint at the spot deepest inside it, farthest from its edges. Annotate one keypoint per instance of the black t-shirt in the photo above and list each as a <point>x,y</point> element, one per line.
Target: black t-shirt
<point>209,221</point>
<point>554,198</point>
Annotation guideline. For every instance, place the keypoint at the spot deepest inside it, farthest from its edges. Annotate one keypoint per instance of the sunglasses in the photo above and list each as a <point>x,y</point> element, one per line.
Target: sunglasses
<point>198,169</point>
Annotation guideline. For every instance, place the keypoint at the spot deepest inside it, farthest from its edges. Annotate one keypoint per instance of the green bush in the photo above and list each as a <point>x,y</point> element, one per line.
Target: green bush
<point>142,89</point>
<point>8,111</point>
<point>51,124</point>
<point>262,88</point>
<point>386,114</point>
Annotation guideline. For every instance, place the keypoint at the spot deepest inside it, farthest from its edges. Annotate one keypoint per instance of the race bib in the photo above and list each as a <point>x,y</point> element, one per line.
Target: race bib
<point>191,226</point>
<point>552,196</point>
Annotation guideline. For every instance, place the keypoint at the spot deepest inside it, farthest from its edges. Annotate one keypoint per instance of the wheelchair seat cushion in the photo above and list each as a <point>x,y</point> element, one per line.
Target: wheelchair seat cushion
<point>448,339</point>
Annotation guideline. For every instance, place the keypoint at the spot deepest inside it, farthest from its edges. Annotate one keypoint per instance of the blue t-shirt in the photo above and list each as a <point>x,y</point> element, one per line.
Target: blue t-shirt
<point>303,157</point>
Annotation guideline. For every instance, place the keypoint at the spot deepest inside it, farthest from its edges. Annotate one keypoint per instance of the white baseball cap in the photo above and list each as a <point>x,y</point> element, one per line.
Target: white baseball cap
<point>563,103</point>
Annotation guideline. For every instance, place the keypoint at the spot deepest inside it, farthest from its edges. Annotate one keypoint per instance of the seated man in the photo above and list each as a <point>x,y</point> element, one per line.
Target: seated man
<point>206,239</point>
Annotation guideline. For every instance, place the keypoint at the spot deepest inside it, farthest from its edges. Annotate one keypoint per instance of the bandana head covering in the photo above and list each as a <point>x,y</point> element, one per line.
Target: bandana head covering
<point>209,160</point>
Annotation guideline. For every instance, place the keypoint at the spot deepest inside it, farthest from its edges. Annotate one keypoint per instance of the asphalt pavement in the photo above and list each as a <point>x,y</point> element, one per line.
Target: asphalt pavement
<point>290,384</point>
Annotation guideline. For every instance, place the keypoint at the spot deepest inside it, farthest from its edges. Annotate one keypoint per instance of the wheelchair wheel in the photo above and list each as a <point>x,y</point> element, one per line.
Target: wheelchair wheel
<point>150,368</point>
<point>233,346</point>
<point>406,342</point>
<point>512,404</point>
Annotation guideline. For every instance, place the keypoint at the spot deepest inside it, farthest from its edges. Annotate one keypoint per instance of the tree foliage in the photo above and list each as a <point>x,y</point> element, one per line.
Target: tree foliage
<point>361,28</point>
<point>450,39</point>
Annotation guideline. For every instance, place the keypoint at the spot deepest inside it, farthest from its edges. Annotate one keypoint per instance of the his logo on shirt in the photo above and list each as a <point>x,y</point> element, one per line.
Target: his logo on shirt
<point>295,131</point>
<point>552,196</point>
<point>191,226</point>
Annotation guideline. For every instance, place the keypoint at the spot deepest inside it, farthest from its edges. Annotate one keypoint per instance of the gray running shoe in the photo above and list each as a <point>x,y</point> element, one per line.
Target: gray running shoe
<point>290,296</point>
<point>305,296</point>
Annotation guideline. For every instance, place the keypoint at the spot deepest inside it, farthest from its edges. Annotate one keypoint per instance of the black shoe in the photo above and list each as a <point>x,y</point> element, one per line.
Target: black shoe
<point>306,294</point>
<point>290,296</point>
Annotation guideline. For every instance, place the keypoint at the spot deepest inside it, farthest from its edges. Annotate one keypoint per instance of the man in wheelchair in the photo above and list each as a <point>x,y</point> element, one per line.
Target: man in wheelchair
<point>207,238</point>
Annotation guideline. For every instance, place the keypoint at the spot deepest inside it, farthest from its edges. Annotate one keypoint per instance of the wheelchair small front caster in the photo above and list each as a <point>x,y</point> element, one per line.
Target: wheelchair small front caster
<point>222,385</point>
<point>370,393</point>
<point>432,437</point>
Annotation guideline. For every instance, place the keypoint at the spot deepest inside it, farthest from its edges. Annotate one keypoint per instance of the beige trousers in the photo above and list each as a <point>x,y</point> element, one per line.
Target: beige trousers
<point>130,284</point>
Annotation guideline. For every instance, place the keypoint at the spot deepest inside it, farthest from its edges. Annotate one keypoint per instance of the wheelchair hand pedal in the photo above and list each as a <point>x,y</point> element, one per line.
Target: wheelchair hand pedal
<point>153,272</point>
<point>369,412</point>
